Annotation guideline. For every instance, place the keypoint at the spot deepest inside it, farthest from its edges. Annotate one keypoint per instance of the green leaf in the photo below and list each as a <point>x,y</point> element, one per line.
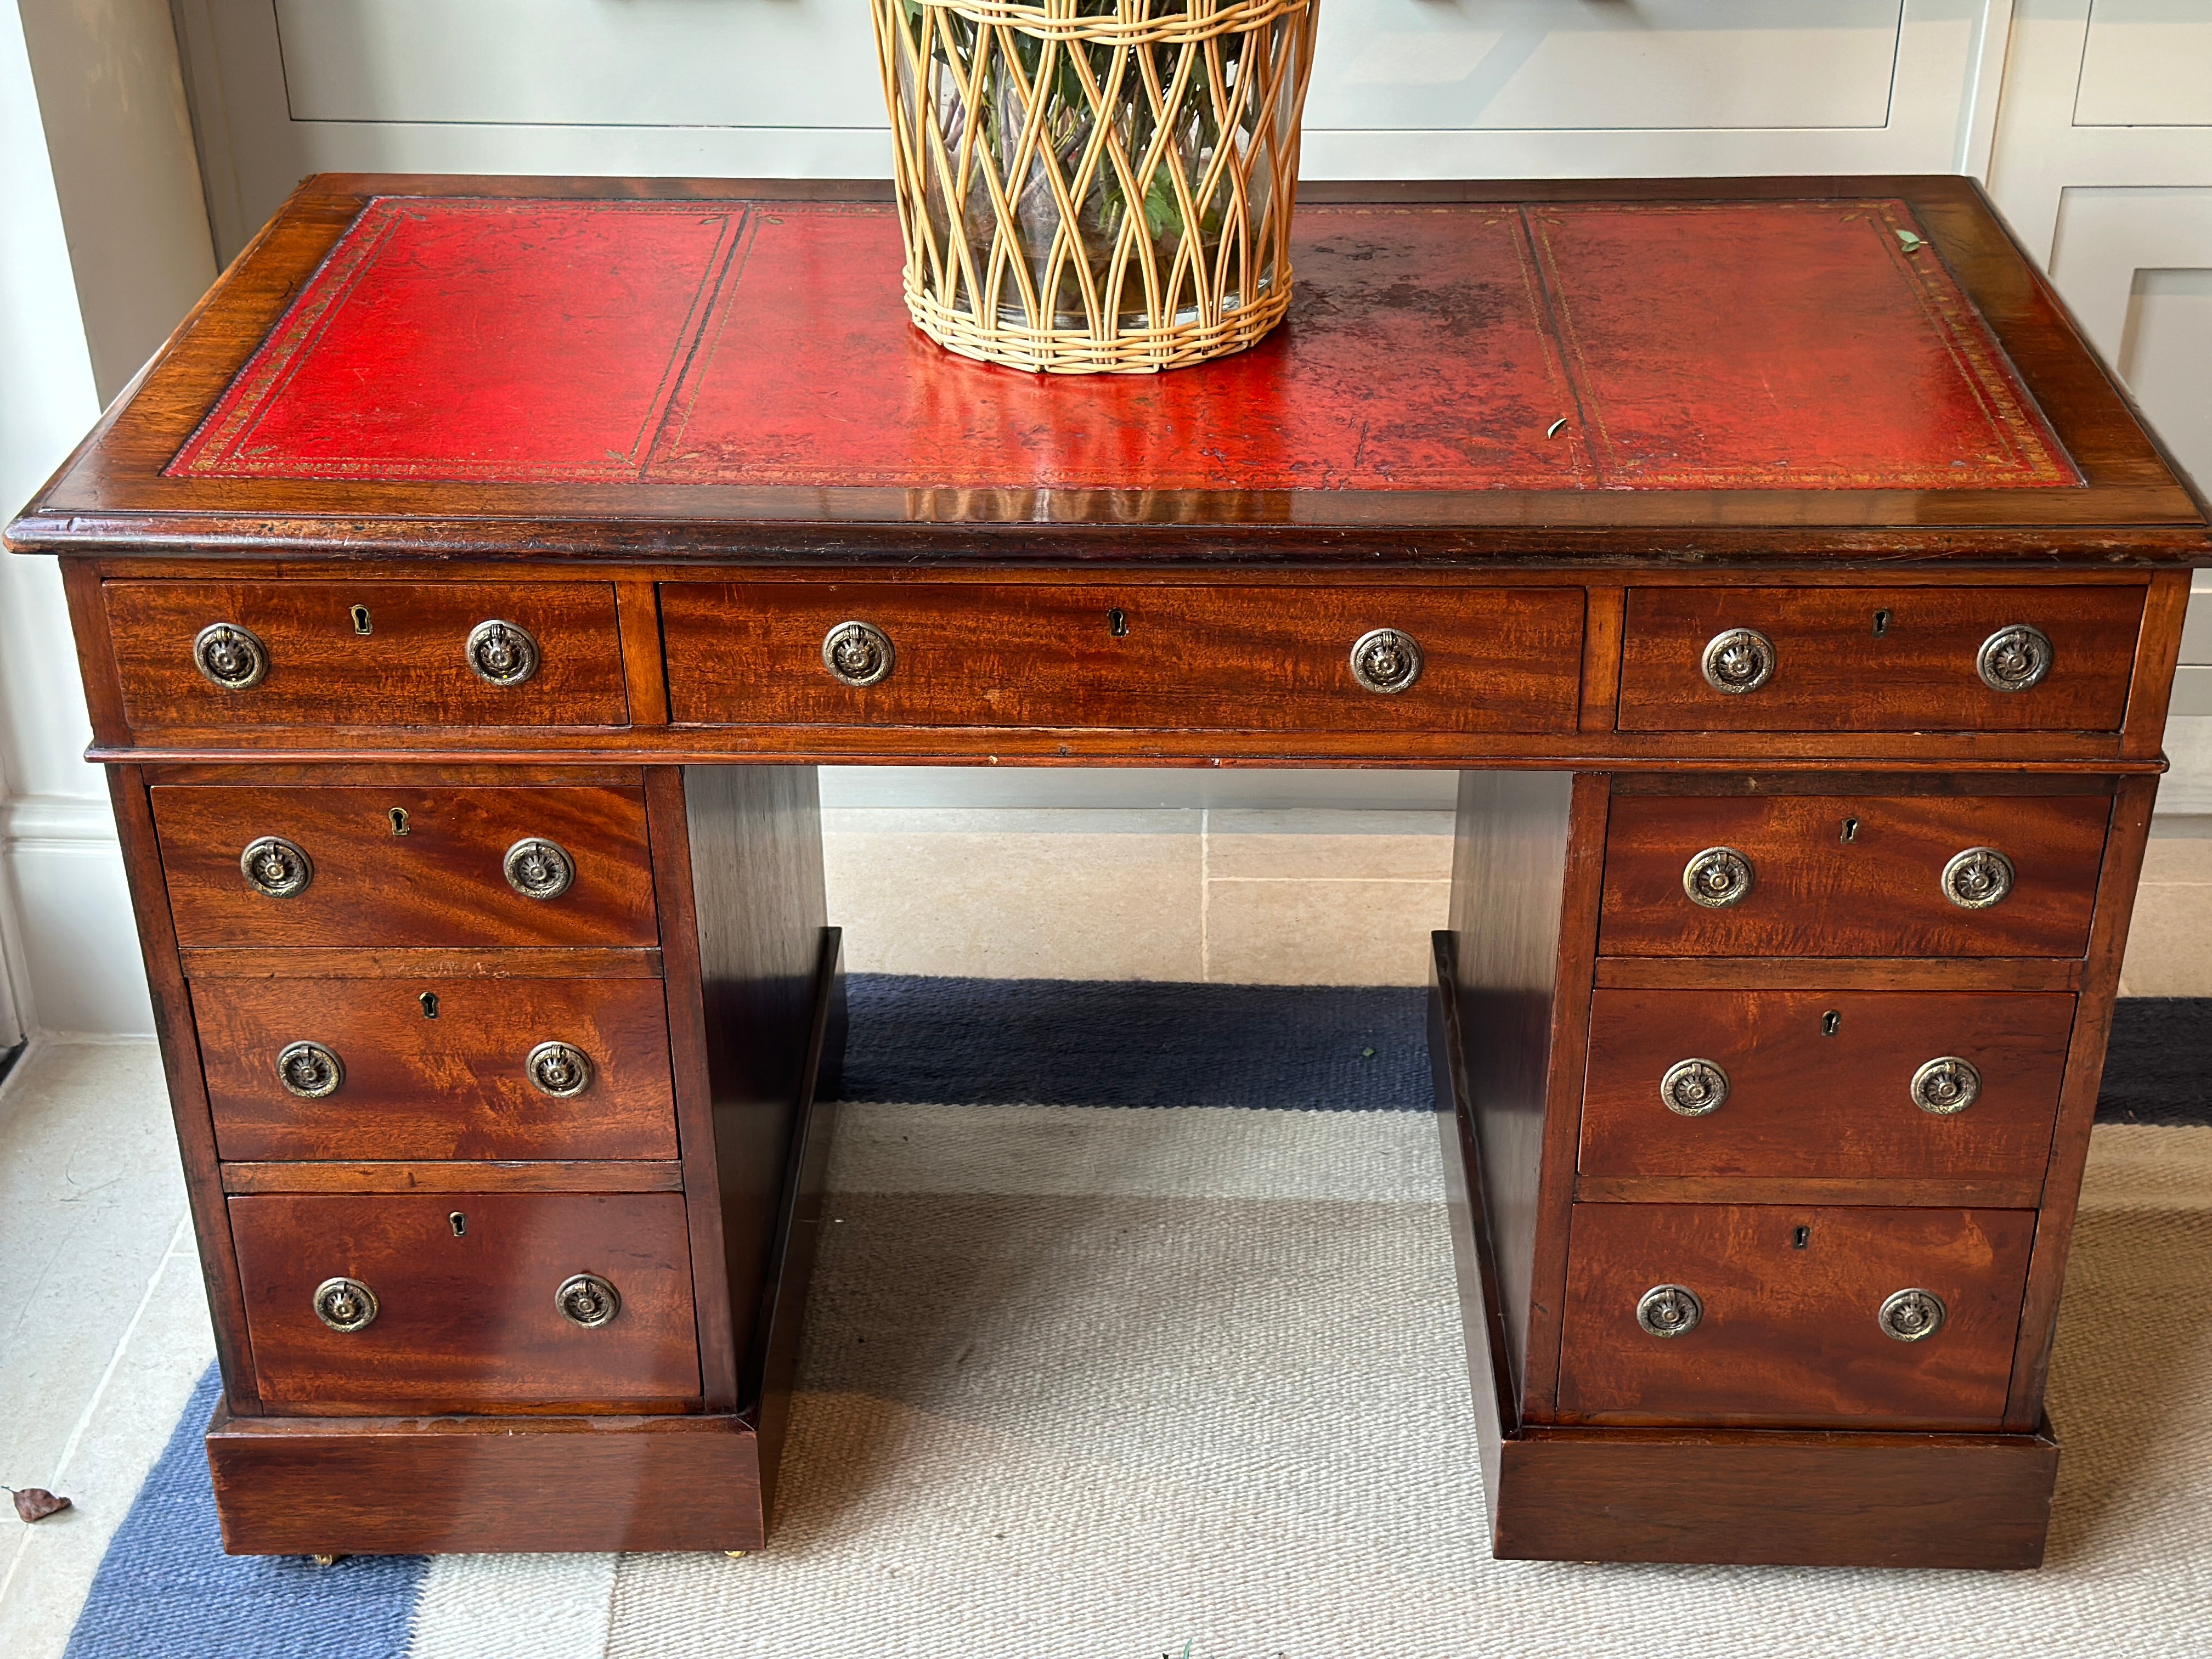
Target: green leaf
<point>1162,213</point>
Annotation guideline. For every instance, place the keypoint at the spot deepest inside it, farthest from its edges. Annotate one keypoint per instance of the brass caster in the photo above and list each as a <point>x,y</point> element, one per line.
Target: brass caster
<point>326,1561</point>
<point>737,1555</point>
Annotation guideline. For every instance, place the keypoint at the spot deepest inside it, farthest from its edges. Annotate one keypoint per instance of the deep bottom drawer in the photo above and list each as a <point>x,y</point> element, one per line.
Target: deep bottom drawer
<point>463,1304</point>
<point>1789,1326</point>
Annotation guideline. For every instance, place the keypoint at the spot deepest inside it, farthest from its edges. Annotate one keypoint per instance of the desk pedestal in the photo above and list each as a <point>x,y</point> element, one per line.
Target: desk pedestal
<point>1740,1497</point>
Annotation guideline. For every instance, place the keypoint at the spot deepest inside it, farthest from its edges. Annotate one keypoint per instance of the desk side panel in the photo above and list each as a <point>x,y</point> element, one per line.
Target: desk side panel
<point>755,870</point>
<point>1510,896</point>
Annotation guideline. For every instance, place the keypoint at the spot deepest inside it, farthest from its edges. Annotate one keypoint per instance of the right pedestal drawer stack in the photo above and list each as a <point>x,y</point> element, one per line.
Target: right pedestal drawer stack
<point>1826,1049</point>
<point>1822,1176</point>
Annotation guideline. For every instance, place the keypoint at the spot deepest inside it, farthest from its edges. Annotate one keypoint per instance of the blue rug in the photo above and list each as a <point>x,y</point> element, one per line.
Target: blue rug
<point>2158,1065</point>
<point>165,1589</point>
<point>1086,1042</point>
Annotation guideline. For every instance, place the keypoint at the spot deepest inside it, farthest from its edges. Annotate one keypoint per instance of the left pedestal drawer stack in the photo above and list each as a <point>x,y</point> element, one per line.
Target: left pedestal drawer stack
<point>474,1298</point>
<point>445,1045</point>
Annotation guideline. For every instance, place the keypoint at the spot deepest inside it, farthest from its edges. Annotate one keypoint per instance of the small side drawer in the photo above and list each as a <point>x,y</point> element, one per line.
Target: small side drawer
<point>1142,657</point>
<point>465,1312</point>
<point>1850,875</point>
<point>1878,659</point>
<point>320,654</point>
<point>435,874</point>
<point>1789,1334</point>
<point>1782,1084</point>
<point>437,1069</point>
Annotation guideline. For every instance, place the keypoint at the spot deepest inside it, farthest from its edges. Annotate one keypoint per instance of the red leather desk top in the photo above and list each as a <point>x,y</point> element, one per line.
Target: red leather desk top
<point>1756,344</point>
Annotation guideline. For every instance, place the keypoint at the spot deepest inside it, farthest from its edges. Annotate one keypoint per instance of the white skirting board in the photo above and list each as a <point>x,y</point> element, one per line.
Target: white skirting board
<point>65,923</point>
<point>2186,791</point>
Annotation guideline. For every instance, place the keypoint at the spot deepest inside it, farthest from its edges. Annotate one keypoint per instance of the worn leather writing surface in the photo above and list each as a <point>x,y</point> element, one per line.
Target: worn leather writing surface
<point>476,339</point>
<point>1768,344</point>
<point>1720,344</point>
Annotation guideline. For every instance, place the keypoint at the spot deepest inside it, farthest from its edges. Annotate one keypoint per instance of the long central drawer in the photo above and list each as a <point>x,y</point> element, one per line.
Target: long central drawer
<point>1144,657</point>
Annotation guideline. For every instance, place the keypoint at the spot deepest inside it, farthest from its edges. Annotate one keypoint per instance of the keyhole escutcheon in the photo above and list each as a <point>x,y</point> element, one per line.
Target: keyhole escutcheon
<point>398,820</point>
<point>1799,1239</point>
<point>1830,1021</point>
<point>1117,623</point>
<point>1881,623</point>
<point>460,1223</point>
<point>361,623</point>
<point>430,1001</point>
<point>1851,830</point>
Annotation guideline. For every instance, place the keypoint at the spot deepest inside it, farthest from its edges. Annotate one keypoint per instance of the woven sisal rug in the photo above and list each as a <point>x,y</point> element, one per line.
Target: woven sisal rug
<point>1185,1376</point>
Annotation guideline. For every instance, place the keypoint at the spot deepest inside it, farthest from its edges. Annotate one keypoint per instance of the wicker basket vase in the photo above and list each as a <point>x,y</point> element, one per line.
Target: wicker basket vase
<point>1096,187</point>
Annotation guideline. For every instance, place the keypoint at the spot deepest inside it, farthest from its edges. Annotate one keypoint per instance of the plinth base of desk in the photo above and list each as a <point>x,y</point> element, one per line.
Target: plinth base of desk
<point>1724,1497</point>
<point>1771,1498</point>
<point>461,1485</point>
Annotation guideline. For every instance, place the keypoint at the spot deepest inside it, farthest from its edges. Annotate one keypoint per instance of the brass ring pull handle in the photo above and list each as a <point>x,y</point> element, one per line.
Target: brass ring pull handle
<point>537,868</point>
<point>1692,1088</point>
<point>1717,877</point>
<point>310,1070</point>
<point>2016,658</point>
<point>1912,1315</point>
<point>1945,1086</point>
<point>502,653</point>
<point>345,1304</point>
<point>858,654</point>
<point>1977,877</point>
<point>1740,659</point>
<point>558,1069</point>
<point>275,868</point>
<point>1669,1311</point>
<point>231,657</point>
<point>1386,660</point>
<point>587,1300</point>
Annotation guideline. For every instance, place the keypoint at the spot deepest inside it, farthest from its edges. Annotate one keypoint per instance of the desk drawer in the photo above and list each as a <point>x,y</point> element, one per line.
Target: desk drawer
<point>1187,659</point>
<point>1822,1084</point>
<point>367,654</point>
<point>437,1069</point>
<point>1791,1333</point>
<point>406,865</point>
<point>1851,875</point>
<point>466,1313</point>
<point>1878,659</point>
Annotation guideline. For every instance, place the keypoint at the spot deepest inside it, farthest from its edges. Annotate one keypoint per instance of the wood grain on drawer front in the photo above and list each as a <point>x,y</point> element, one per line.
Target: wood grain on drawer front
<point>1803,1102</point>
<point>452,1086</point>
<point>1789,1334</point>
<point>1834,673</point>
<point>410,669</point>
<point>1877,894</point>
<point>467,1320</point>
<point>1192,659</point>
<point>441,883</point>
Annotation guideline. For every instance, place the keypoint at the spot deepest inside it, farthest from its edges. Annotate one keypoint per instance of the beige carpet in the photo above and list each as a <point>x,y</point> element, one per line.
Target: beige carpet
<point>1108,1383</point>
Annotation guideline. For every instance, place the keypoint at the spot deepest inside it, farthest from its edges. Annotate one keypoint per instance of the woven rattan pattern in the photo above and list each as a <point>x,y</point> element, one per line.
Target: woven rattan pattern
<point>1096,193</point>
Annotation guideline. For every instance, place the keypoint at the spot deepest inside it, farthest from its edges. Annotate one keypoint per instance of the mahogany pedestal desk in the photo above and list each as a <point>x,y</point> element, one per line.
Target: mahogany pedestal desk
<point>467,593</point>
